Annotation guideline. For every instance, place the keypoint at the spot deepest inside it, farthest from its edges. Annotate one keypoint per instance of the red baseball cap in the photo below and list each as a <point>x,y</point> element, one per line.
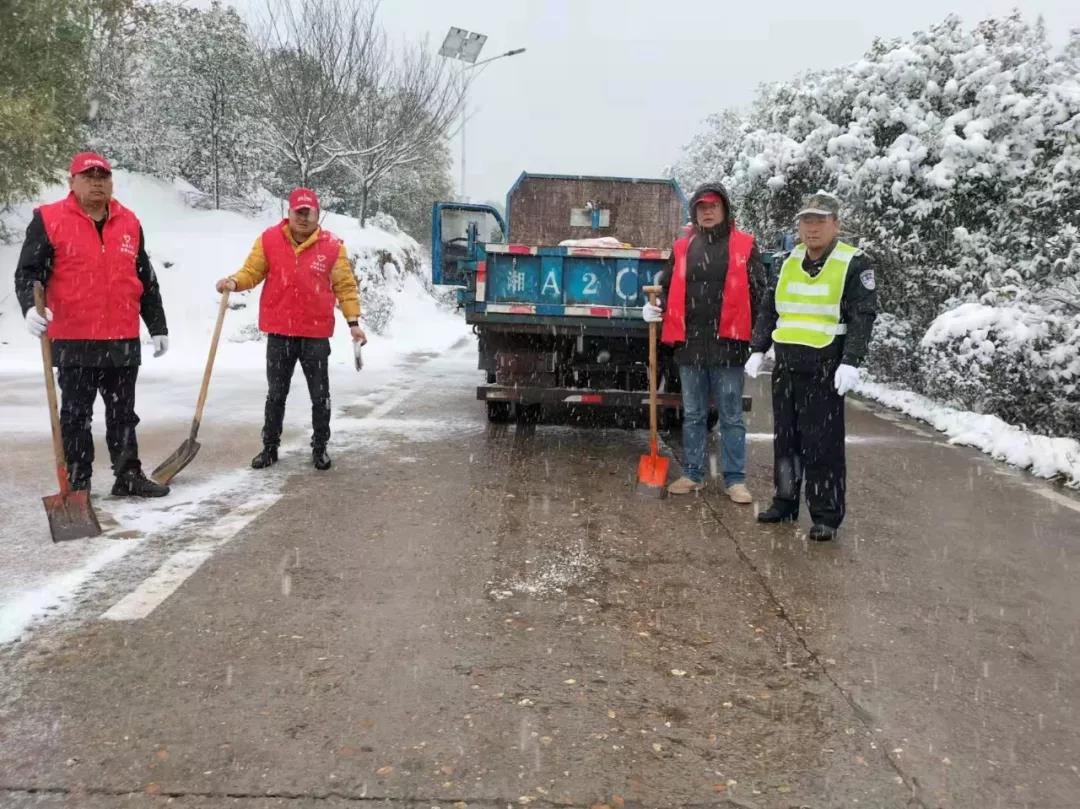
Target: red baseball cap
<point>303,198</point>
<point>709,196</point>
<point>84,161</point>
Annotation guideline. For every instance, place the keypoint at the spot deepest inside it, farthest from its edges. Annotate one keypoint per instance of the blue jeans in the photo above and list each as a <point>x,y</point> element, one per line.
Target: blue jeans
<point>724,387</point>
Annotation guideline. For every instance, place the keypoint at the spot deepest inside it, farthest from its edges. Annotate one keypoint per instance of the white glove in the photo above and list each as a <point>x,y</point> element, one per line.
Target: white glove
<point>652,313</point>
<point>846,378</point>
<point>753,365</point>
<point>161,344</point>
<point>35,323</point>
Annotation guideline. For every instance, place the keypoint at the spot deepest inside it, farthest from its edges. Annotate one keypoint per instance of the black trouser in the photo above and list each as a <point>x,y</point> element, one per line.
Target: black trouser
<point>79,387</point>
<point>281,356</point>
<point>808,442</point>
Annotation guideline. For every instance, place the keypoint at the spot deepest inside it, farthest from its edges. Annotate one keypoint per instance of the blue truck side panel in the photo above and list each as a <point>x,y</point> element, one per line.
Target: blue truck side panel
<point>555,277</point>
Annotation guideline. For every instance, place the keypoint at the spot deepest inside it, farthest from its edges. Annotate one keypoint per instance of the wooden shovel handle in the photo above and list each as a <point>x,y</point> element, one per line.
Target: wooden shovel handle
<point>652,292</point>
<point>50,393</point>
<point>223,307</point>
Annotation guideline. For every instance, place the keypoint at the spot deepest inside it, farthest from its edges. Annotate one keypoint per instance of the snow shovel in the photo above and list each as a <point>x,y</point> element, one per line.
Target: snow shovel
<point>70,514</point>
<point>652,468</point>
<point>186,452</point>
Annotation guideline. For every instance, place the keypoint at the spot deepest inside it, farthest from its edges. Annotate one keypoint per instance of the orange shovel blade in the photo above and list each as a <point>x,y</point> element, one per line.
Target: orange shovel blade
<point>652,471</point>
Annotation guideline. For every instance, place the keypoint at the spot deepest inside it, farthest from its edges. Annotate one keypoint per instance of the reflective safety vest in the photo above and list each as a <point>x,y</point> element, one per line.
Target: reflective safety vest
<point>809,307</point>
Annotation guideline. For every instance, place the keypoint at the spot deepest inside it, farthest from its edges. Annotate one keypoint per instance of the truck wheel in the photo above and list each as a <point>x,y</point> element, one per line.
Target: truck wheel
<point>498,412</point>
<point>528,414</point>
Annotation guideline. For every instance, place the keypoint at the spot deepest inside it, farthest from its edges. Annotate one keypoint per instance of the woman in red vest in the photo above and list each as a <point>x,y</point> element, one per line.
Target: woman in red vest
<point>712,286</point>
<point>306,270</point>
<point>87,251</point>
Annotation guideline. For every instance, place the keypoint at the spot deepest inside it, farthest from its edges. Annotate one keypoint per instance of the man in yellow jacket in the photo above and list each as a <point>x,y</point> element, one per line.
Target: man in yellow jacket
<point>306,269</point>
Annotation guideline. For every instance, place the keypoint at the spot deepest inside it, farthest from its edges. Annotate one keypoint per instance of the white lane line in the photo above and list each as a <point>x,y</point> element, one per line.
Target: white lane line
<point>1057,497</point>
<point>1038,487</point>
<point>389,404</point>
<point>178,568</point>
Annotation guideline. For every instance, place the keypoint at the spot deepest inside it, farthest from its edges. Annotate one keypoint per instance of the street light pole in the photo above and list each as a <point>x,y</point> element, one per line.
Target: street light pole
<point>465,46</point>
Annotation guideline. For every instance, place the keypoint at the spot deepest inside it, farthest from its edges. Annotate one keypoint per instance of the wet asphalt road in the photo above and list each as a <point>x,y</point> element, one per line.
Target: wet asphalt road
<point>461,613</point>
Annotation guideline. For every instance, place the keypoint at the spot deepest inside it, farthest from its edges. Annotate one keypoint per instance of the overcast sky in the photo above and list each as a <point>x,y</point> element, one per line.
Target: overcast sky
<point>616,87</point>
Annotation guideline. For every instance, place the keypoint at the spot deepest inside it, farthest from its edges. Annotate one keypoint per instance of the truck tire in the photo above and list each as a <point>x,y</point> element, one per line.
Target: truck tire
<point>528,414</point>
<point>498,412</point>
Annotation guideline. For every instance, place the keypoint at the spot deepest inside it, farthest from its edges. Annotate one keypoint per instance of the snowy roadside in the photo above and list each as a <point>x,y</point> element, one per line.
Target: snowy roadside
<point>1043,456</point>
<point>190,249</point>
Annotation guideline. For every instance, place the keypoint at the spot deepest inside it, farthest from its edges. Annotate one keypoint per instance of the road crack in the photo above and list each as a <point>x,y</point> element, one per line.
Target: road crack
<point>860,713</point>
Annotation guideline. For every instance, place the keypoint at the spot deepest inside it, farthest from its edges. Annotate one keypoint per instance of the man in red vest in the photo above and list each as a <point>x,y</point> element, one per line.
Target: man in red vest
<point>306,268</point>
<point>88,251</point>
<point>712,286</point>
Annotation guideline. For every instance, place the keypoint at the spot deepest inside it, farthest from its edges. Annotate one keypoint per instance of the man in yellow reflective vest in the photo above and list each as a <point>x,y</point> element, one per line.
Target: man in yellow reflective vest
<point>819,315</point>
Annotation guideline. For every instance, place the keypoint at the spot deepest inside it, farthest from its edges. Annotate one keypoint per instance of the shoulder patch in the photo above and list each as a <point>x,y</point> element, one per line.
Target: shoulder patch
<point>868,279</point>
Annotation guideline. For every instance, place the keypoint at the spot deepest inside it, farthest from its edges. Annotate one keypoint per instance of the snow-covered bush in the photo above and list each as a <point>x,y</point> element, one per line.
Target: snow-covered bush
<point>1019,362</point>
<point>891,358</point>
<point>383,263</point>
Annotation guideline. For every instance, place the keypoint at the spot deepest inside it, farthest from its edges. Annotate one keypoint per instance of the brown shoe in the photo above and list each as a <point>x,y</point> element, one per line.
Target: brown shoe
<point>739,494</point>
<point>685,485</point>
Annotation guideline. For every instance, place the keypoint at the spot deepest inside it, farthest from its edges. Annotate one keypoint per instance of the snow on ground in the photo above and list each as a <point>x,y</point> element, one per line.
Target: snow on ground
<point>1044,456</point>
<point>38,577</point>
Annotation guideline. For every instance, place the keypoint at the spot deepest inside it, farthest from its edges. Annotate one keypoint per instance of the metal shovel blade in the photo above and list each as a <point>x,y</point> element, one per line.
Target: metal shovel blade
<point>71,516</point>
<point>171,466</point>
<point>652,475</point>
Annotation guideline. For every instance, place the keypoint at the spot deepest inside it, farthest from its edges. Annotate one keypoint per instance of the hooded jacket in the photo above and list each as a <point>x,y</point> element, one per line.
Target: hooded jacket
<point>705,328</point>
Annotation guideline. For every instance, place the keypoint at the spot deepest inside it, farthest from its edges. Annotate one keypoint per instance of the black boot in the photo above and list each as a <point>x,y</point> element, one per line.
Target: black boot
<point>820,532</point>
<point>133,483</point>
<point>320,458</point>
<point>268,457</point>
<point>778,512</point>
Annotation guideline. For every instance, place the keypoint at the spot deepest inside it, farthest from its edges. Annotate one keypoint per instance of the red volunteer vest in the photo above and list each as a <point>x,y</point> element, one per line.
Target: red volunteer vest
<point>735,309</point>
<point>94,288</point>
<point>298,297</point>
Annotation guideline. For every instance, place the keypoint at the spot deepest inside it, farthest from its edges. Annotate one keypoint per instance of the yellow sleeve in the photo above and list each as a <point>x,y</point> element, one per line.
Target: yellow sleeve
<point>344,283</point>
<point>254,270</point>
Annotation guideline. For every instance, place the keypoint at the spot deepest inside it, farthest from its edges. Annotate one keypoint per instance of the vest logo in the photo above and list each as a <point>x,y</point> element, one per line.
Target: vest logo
<point>127,245</point>
<point>319,264</point>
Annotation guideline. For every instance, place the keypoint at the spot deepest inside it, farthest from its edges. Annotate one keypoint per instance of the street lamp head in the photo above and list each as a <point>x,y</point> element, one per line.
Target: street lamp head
<point>462,44</point>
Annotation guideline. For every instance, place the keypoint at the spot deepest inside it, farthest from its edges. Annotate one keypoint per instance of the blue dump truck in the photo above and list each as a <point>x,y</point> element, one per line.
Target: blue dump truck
<point>560,324</point>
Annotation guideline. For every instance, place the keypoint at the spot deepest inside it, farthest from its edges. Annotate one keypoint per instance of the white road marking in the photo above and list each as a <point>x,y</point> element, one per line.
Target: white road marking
<point>1056,497</point>
<point>389,404</point>
<point>179,567</point>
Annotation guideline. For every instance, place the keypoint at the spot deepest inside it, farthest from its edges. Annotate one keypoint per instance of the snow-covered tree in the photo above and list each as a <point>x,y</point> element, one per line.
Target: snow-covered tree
<point>191,108</point>
<point>311,62</point>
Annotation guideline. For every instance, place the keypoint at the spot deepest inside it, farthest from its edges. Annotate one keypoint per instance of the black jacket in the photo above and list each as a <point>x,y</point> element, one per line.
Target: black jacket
<point>35,264</point>
<point>858,309</point>
<point>706,273</point>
